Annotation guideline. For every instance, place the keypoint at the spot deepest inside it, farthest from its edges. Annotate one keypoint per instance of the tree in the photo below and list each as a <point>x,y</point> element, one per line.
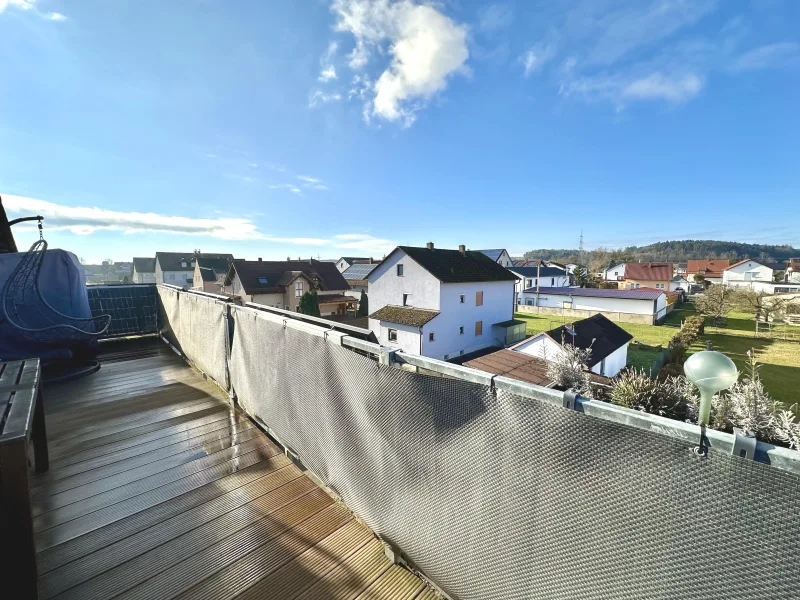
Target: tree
<point>581,276</point>
<point>778,276</point>
<point>309,304</point>
<point>363,305</point>
<point>716,302</point>
<point>699,278</point>
<point>764,306</point>
<point>125,279</point>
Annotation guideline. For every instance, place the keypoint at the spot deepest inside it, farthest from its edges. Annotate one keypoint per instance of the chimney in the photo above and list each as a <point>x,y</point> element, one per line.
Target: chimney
<point>370,260</point>
<point>259,259</point>
<point>462,249</point>
<point>288,258</point>
<point>429,245</point>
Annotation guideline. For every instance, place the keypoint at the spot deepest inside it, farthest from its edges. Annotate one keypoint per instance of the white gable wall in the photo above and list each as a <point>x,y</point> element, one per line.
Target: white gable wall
<point>385,287</point>
<point>541,346</point>
<point>746,273</point>
<point>613,273</point>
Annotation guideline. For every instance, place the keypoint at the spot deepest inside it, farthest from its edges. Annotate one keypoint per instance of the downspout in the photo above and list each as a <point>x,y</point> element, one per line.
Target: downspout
<point>420,340</point>
<point>538,271</point>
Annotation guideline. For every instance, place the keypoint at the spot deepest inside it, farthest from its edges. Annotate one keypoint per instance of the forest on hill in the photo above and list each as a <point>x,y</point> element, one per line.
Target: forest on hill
<point>671,251</point>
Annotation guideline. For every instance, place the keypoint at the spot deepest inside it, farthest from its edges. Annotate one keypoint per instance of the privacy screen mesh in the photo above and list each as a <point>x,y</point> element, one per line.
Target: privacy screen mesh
<point>493,495</point>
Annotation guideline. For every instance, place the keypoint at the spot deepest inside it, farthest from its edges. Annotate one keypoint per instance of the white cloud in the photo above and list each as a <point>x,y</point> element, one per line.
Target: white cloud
<point>774,55</point>
<point>30,5</point>
<point>495,17</point>
<point>328,72</point>
<point>365,243</point>
<point>426,48</point>
<point>535,58</point>
<point>313,183</point>
<point>658,86</point>
<point>286,186</point>
<point>620,90</point>
<point>85,220</point>
<point>308,179</point>
<point>320,97</point>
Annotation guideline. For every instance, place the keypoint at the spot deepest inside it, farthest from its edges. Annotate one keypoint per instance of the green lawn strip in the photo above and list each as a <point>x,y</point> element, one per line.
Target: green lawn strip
<point>652,335</point>
<point>641,358</point>
<point>780,370</point>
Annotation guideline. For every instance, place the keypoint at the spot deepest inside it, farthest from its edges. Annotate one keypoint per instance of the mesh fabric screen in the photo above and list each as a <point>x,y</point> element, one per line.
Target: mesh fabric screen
<point>132,308</point>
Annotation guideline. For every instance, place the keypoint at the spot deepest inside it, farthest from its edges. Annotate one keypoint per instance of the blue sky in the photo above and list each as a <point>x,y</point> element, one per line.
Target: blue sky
<point>306,127</point>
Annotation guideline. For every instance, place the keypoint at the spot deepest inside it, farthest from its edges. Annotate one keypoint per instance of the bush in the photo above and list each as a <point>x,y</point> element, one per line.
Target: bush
<point>786,429</point>
<point>568,370</point>
<point>693,328</point>
<point>671,397</point>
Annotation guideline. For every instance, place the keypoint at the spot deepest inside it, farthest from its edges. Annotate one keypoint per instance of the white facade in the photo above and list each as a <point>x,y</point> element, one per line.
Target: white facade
<point>679,282</point>
<point>614,273</point>
<point>180,278</point>
<point>525,283</point>
<point>638,306</point>
<point>504,260</point>
<point>544,347</point>
<point>747,273</point>
<point>454,330</point>
<point>139,277</point>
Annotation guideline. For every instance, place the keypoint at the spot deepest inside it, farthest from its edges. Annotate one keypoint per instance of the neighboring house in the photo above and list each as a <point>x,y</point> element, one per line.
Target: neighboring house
<point>679,282</point>
<point>500,256</point>
<point>346,262</point>
<point>608,343</point>
<point>570,267</point>
<point>281,284</point>
<point>530,277</point>
<point>210,272</point>
<point>175,268</point>
<point>680,268</point>
<point>440,303</point>
<point>746,272</point>
<point>650,274</point>
<point>792,271</point>
<point>356,277</point>
<point>144,270</point>
<point>109,272</point>
<point>711,270</point>
<point>640,302</point>
<point>615,273</point>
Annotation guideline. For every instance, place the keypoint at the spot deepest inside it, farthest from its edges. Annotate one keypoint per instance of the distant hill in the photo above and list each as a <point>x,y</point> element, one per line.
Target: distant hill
<point>672,251</point>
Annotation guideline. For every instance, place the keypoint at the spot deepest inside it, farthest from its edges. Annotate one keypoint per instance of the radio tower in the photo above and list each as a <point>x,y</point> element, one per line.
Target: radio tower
<point>580,249</point>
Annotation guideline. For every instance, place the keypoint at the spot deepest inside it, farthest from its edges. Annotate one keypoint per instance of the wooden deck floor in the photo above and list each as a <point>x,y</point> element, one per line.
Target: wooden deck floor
<point>159,489</point>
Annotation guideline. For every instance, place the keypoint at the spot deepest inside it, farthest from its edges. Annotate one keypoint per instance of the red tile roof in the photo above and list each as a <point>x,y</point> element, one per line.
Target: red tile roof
<point>709,268</point>
<point>649,271</point>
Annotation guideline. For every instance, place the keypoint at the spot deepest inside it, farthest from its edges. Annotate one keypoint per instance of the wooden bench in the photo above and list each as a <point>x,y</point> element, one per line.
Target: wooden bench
<point>21,421</point>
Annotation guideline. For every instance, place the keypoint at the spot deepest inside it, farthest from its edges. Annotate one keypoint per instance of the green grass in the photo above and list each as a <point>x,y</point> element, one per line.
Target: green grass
<point>780,371</point>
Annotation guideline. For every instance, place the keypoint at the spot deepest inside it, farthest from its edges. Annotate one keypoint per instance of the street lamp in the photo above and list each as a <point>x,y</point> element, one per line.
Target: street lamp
<point>711,372</point>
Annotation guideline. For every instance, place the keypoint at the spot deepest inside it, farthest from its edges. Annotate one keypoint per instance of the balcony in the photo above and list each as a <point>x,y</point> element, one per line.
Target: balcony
<point>246,452</point>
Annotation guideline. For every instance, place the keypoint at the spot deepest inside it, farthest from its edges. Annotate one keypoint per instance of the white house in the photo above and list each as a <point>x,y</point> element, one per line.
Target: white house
<point>345,262</point>
<point>175,268</point>
<point>144,270</point>
<point>530,277</point>
<point>440,303</point>
<point>500,256</point>
<point>608,343</point>
<point>644,301</point>
<point>747,272</point>
<point>615,273</point>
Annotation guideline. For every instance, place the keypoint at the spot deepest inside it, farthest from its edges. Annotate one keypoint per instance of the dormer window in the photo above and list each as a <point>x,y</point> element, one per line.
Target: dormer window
<point>262,280</point>
<point>183,264</point>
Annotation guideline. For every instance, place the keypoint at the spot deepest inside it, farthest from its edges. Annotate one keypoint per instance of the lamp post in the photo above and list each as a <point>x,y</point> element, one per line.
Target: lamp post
<point>711,372</point>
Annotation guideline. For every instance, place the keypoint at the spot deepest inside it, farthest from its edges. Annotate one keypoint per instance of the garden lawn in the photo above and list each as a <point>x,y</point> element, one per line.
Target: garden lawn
<point>653,335</point>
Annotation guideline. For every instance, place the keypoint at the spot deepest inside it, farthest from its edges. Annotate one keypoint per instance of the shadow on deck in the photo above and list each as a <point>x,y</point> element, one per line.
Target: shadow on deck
<point>158,488</point>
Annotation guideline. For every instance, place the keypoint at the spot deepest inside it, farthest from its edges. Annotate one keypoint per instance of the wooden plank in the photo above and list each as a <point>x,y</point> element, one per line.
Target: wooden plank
<point>20,416</point>
<point>129,447</point>
<point>10,374</point>
<point>246,553</point>
<point>83,485</point>
<point>176,442</point>
<point>147,414</point>
<point>137,432</point>
<point>352,577</point>
<point>312,565</point>
<point>150,538</point>
<point>59,511</point>
<point>275,511</point>
<point>60,546</point>
<point>395,584</point>
<point>114,512</point>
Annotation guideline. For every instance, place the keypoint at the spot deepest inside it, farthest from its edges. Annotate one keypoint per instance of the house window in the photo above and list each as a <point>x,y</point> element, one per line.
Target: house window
<point>431,337</point>
<point>660,286</point>
<point>399,270</point>
<point>615,274</point>
<point>393,335</point>
<point>529,283</point>
<point>552,281</point>
<point>183,264</point>
<point>461,330</point>
<point>262,280</point>
<point>478,328</point>
<point>529,302</point>
<point>461,298</point>
<point>405,299</point>
<point>478,298</point>
<point>298,289</point>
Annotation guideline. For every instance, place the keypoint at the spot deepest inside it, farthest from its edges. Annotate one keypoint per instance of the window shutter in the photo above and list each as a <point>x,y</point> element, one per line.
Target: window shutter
<point>478,327</point>
<point>478,298</point>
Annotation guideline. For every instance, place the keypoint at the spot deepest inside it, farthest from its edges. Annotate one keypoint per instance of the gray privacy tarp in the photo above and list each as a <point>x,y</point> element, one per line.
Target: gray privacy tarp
<point>197,327</point>
<point>497,496</point>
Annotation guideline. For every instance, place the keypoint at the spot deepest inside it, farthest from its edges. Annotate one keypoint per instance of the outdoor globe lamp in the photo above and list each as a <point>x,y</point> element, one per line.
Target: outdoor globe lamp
<point>711,372</point>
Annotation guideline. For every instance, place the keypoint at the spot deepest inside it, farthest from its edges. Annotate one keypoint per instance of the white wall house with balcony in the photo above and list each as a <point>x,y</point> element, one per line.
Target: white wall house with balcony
<point>615,273</point>
<point>747,272</point>
<point>541,276</point>
<point>440,303</point>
